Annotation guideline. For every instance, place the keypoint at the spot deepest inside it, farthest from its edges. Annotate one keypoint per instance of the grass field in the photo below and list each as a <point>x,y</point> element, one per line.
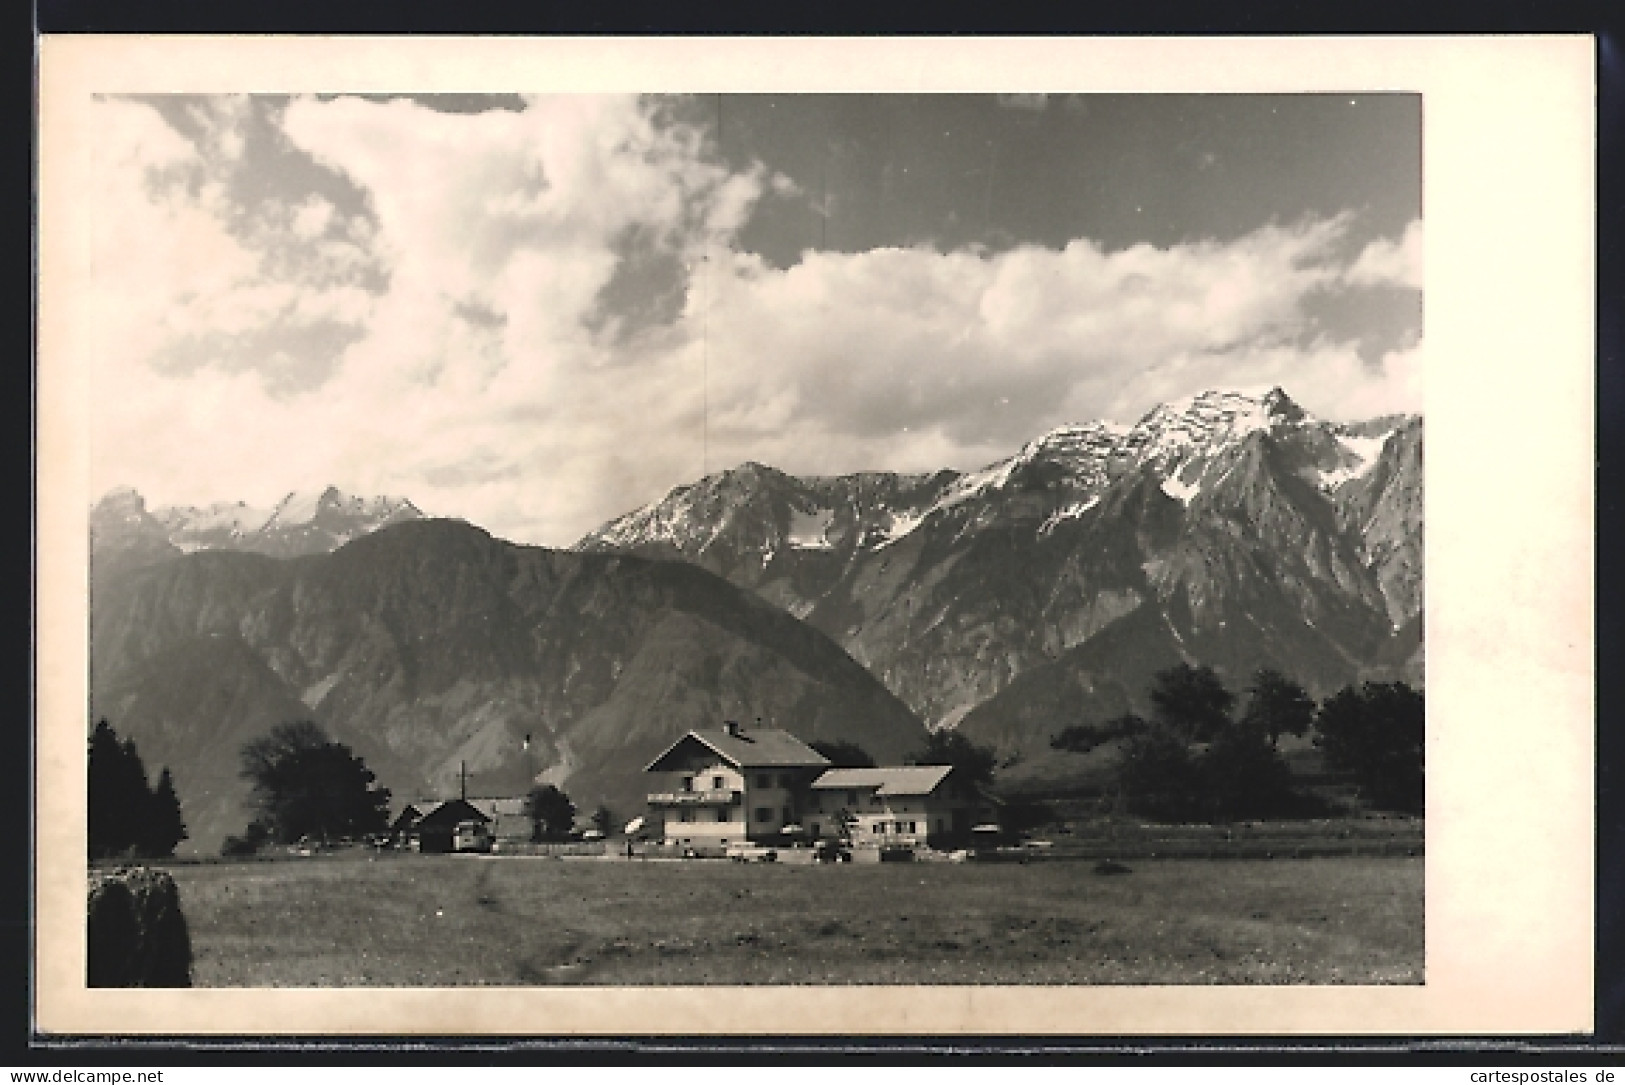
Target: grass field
<point>442,920</point>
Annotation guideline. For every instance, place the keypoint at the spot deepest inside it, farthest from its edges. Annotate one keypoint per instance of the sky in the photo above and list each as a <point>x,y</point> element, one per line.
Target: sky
<point>539,313</point>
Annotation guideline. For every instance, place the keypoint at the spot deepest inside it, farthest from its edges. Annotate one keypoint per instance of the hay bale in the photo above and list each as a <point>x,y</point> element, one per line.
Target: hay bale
<point>136,934</point>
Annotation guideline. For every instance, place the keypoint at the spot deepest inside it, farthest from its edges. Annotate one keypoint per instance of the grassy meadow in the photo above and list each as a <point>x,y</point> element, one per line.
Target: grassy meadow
<point>397,919</point>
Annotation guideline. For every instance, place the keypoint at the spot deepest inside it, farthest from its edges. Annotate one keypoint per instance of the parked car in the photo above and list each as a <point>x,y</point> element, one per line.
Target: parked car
<point>471,836</point>
<point>831,850</point>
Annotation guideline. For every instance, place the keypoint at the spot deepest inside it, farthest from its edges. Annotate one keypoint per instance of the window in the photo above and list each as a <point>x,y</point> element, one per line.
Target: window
<point>763,780</point>
<point>722,814</point>
<point>851,798</point>
<point>764,813</point>
<point>688,815</point>
<point>912,827</point>
<point>786,782</point>
<point>688,784</point>
<point>786,816</point>
<point>718,782</point>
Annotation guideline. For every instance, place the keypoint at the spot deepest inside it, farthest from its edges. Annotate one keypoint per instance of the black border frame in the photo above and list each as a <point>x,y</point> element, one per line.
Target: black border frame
<point>23,1046</point>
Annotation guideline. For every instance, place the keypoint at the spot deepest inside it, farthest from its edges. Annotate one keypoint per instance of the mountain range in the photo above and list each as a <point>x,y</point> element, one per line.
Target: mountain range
<point>1229,528</point>
<point>124,531</point>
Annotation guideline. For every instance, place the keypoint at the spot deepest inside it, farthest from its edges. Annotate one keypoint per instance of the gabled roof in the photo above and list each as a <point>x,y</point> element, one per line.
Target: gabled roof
<point>763,749</point>
<point>504,806</point>
<point>451,812</point>
<point>896,780</point>
<point>408,817</point>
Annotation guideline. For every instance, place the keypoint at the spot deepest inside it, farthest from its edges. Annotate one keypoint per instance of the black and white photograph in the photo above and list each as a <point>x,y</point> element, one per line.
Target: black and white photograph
<point>756,539</point>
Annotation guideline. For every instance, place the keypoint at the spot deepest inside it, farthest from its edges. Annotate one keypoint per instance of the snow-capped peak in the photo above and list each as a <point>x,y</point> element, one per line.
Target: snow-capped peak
<point>304,506</point>
<point>1055,477</point>
<point>1211,418</point>
<point>302,522</point>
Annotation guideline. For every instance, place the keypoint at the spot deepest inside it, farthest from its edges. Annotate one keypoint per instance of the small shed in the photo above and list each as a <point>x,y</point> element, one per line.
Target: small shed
<point>405,826</point>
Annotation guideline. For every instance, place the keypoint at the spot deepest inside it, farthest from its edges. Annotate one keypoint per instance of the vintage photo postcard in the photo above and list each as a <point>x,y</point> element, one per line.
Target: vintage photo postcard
<point>831,537</point>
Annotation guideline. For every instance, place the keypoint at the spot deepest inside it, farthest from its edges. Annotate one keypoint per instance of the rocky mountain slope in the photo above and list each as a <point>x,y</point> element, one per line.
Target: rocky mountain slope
<point>1234,528</point>
<point>430,645</point>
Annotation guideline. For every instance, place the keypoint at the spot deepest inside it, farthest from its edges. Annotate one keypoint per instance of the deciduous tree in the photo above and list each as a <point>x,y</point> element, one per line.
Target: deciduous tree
<point>1192,701</point>
<point>1276,706</point>
<point>1376,732</point>
<point>1156,775</point>
<point>1243,776</point>
<point>552,814</point>
<point>305,784</point>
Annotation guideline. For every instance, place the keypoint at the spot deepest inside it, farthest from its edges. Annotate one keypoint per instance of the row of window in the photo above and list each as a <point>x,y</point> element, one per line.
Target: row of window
<point>763,815</point>
<point>718,783</point>
<point>689,815</point>
<point>764,780</point>
<point>895,828</point>
<point>884,827</point>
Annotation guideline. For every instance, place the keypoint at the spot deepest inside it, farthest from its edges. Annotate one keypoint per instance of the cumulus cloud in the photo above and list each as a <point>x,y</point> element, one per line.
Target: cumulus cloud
<point>1384,262</point>
<point>470,316</point>
<point>891,355</point>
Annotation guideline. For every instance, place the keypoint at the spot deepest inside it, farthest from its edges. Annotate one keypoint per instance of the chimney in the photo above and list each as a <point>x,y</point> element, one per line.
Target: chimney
<point>732,727</point>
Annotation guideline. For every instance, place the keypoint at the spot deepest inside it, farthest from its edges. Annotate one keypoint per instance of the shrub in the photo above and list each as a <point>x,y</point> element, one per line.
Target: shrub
<point>1083,737</point>
<point>1244,776</point>
<point>1157,776</point>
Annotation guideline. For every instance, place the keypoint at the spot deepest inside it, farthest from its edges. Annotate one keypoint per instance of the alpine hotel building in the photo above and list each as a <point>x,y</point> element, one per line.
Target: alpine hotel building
<point>765,786</point>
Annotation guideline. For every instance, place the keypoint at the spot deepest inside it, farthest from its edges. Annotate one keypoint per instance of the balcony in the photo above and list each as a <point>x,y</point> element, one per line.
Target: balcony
<point>713,797</point>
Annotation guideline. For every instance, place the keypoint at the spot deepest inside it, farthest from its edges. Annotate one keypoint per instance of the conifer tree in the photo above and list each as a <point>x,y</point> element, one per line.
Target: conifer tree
<point>123,815</point>
<point>107,817</point>
<point>163,826</point>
